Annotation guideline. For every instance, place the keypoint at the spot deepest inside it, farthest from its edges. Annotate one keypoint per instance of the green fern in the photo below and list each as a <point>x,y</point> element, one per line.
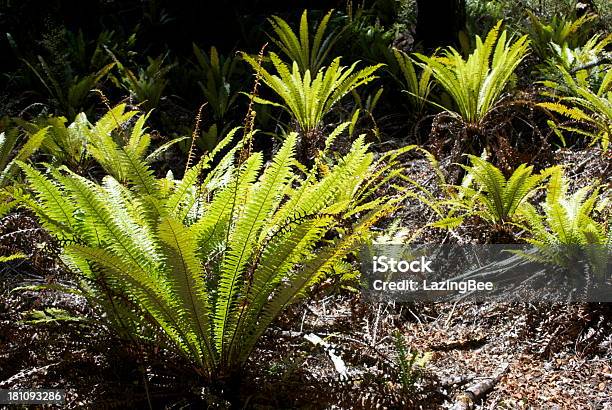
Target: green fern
<point>418,88</point>
<point>10,153</point>
<point>308,51</point>
<point>216,73</point>
<point>594,109</point>
<point>106,141</point>
<point>558,31</point>
<point>70,94</point>
<point>476,84</point>
<point>147,85</point>
<point>210,262</point>
<point>592,53</point>
<point>8,144</point>
<point>309,97</point>
<point>494,198</point>
<point>567,228</point>
<point>410,364</point>
<point>568,219</point>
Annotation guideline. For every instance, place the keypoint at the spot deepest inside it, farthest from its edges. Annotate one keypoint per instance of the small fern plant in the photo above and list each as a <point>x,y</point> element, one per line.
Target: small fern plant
<point>81,141</point>
<point>486,193</point>
<point>216,74</point>
<point>309,97</point>
<point>417,87</point>
<point>583,106</point>
<point>69,92</point>
<point>216,77</point>
<point>410,364</point>
<point>476,84</point>
<point>559,31</point>
<point>203,265</point>
<point>147,85</point>
<point>307,50</point>
<point>567,227</point>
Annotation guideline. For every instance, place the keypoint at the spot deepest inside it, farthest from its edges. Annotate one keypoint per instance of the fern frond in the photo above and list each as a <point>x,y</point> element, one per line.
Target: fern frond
<point>186,277</point>
<point>7,142</point>
<point>56,211</point>
<point>309,52</point>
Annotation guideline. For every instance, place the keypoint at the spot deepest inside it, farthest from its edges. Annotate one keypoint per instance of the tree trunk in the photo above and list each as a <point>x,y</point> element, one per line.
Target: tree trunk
<point>439,23</point>
<point>584,7</point>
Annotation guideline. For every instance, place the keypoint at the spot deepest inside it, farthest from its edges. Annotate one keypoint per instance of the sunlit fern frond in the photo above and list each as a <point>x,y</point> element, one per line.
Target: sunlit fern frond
<point>308,50</point>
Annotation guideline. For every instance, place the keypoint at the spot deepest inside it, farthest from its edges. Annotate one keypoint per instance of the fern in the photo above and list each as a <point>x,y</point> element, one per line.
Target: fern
<point>106,141</point>
<point>308,97</point>
<point>567,219</point>
<point>418,88</point>
<point>208,267</point>
<point>308,51</point>
<point>588,61</point>
<point>567,229</point>
<point>216,74</point>
<point>11,154</point>
<point>147,85</point>
<point>8,143</point>
<point>593,109</point>
<point>493,198</point>
<point>410,364</point>
<point>558,31</point>
<point>69,94</point>
<point>476,84</point>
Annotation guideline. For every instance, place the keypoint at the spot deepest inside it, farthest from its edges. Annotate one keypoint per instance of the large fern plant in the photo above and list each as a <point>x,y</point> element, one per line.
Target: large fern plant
<point>476,84</point>
<point>203,265</point>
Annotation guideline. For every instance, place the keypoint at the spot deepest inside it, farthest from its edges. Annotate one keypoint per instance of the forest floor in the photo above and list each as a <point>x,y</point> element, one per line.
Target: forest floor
<point>557,356</point>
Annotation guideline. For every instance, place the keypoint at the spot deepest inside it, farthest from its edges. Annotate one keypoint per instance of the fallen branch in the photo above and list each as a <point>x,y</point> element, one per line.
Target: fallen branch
<point>26,374</point>
<point>467,399</point>
<point>595,63</point>
<point>331,352</point>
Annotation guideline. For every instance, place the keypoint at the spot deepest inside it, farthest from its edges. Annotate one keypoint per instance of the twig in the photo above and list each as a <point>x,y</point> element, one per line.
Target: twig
<point>467,399</point>
<point>450,315</point>
<point>194,136</point>
<point>592,64</point>
<point>27,374</point>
